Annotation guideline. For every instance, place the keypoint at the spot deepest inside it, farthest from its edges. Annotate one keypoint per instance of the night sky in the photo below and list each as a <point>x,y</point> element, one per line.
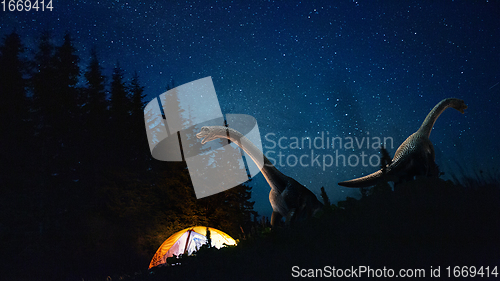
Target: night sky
<point>359,69</point>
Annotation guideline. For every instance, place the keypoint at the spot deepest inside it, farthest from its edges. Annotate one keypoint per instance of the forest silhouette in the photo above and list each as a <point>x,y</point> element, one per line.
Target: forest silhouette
<point>80,193</point>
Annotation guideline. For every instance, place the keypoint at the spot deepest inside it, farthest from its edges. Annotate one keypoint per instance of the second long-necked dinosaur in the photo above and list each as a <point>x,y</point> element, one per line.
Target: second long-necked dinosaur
<point>288,198</point>
<point>415,156</point>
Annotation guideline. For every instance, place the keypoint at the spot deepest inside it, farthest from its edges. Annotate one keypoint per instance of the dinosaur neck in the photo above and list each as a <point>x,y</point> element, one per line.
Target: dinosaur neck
<point>426,127</point>
<point>274,177</point>
<point>416,151</point>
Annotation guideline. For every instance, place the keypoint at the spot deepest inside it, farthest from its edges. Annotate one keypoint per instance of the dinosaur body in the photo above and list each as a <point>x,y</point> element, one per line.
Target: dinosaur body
<point>415,156</point>
<point>288,198</point>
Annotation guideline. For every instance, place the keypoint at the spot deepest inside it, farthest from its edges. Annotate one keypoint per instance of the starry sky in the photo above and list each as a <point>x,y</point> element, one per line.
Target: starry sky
<point>306,69</point>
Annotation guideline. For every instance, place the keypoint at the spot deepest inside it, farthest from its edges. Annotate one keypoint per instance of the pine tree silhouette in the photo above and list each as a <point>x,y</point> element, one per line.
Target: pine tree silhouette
<point>62,186</point>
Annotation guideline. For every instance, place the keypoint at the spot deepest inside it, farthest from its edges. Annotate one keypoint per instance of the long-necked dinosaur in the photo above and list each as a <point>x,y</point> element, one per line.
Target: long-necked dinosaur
<point>415,156</point>
<point>289,198</point>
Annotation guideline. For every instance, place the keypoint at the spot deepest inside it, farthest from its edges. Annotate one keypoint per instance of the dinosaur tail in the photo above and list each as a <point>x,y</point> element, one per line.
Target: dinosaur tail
<point>392,171</point>
<point>366,181</point>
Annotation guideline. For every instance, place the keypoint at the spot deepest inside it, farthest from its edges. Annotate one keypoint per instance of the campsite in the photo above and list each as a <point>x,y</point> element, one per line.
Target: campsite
<point>431,224</point>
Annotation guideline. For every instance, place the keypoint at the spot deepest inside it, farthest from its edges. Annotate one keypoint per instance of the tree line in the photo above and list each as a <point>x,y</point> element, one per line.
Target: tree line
<point>80,193</point>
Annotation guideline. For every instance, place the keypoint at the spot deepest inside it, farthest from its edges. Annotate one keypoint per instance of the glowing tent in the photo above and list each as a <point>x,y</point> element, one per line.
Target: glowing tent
<point>189,240</point>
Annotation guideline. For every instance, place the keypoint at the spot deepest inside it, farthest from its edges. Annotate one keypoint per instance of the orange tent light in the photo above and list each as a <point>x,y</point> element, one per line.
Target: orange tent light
<point>187,241</point>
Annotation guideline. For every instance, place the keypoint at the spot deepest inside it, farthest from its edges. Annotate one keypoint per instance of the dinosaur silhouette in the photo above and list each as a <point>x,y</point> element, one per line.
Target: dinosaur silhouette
<point>415,156</point>
<point>288,198</point>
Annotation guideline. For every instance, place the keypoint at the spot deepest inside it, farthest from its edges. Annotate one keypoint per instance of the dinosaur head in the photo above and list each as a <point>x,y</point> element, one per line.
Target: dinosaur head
<point>459,105</point>
<point>209,133</point>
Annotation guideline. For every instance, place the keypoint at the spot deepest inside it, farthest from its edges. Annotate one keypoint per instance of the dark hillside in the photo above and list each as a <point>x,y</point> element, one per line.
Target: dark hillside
<point>429,223</point>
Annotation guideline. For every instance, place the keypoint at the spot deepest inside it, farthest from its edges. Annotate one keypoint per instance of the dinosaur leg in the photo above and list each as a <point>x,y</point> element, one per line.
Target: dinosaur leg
<point>433,170</point>
<point>275,218</point>
<point>290,217</point>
